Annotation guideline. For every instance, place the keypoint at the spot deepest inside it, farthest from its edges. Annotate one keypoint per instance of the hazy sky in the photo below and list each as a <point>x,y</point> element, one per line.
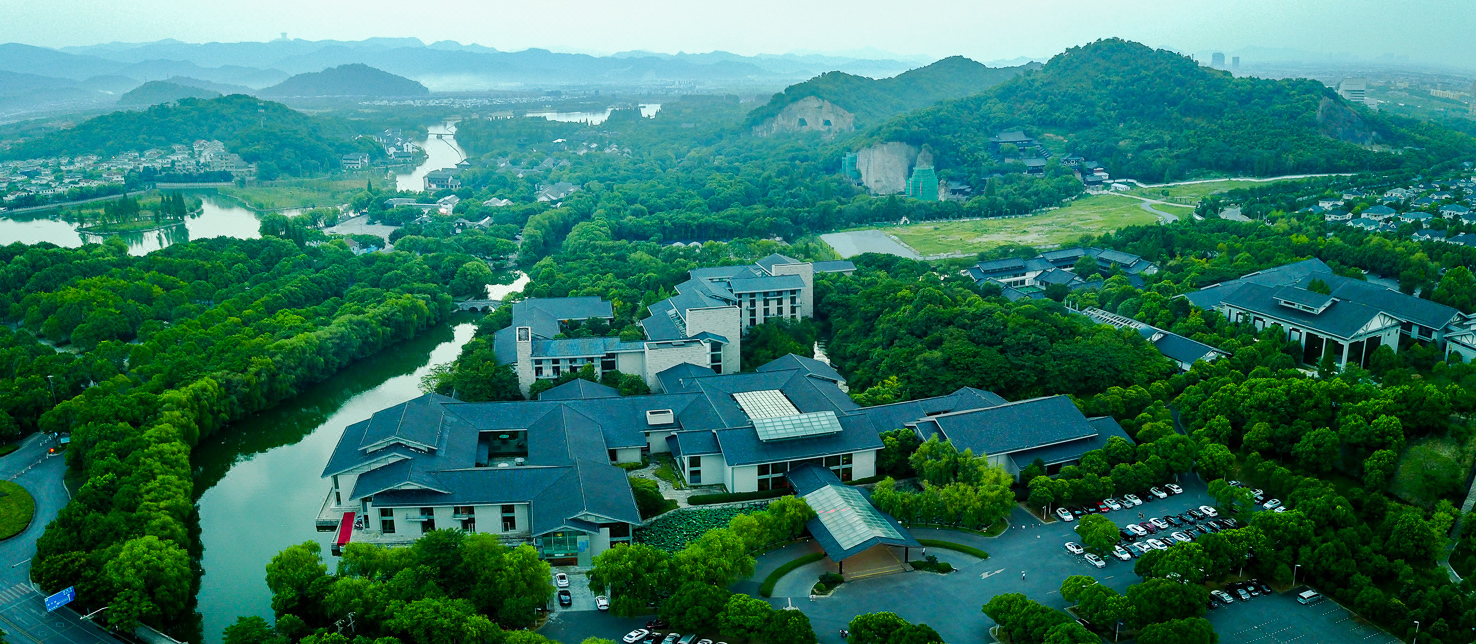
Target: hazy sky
<point>1428,30</point>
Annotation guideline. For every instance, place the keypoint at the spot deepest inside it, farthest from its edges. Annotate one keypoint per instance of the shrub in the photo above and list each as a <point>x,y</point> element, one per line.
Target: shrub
<point>709,499</point>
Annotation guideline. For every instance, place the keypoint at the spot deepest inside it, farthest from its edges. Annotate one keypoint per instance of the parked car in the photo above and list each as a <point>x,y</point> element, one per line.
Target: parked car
<point>1157,545</point>
<point>1127,535</point>
<point>1093,508</point>
<point>1222,596</point>
<point>561,580</point>
<point>1137,549</point>
<point>656,623</point>
<point>1095,560</point>
<point>671,638</point>
<point>1174,489</point>
<point>1229,523</point>
<point>1234,483</point>
<point>1244,596</point>
<point>704,641</point>
<point>1158,493</point>
<point>1209,511</point>
<point>1113,504</point>
<point>565,599</point>
<point>1078,512</point>
<point>1196,514</point>
<point>1122,554</point>
<point>1158,523</point>
<point>1181,537</point>
<point>1133,499</point>
<point>602,602</point>
<point>1258,494</point>
<point>1272,504</point>
<point>1309,597</point>
<point>1280,509</point>
<point>1064,514</point>
<point>1137,530</point>
<point>1103,507</point>
<point>1074,548</point>
<point>635,636</point>
<point>687,639</point>
<point>1254,589</point>
<point>1173,520</point>
<point>1211,526</point>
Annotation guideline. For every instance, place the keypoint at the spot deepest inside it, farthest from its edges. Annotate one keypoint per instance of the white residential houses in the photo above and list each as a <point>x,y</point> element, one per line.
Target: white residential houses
<point>57,175</point>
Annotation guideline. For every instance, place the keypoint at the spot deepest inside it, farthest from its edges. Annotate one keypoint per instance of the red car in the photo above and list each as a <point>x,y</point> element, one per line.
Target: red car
<point>1152,529</point>
<point>1102,507</point>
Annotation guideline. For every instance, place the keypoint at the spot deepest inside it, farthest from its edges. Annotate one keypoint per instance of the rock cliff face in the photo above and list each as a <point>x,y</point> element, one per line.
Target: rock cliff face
<point>1340,122</point>
<point>809,114</point>
<point>884,167</point>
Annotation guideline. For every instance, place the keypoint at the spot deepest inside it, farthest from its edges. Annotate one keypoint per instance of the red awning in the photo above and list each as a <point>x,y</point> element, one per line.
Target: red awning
<point>345,529</point>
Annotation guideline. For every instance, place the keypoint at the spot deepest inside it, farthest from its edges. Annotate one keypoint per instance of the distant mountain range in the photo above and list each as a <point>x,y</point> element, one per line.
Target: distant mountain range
<point>448,66</point>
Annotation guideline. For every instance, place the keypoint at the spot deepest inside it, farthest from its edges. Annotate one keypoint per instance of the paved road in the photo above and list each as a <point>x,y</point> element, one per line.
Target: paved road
<point>23,613</point>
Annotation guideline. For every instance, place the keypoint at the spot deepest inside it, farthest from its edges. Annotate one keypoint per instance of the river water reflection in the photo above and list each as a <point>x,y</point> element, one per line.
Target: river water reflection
<point>258,480</point>
<point>441,152</point>
<point>218,218</point>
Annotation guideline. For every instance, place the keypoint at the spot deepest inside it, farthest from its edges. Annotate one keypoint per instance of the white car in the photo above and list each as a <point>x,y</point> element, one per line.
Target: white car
<point>1158,493</point>
<point>1208,511</point>
<point>1258,494</point>
<point>1233,483</point>
<point>1272,504</point>
<point>1137,530</point>
<point>1095,561</point>
<point>635,636</point>
<point>602,602</point>
<point>1133,499</point>
<point>1064,514</point>
<point>561,580</point>
<point>1112,503</point>
<point>1159,523</point>
<point>1157,545</point>
<point>1181,537</point>
<point>1280,509</point>
<point>1074,548</point>
<point>1222,596</point>
<point>1121,554</point>
<point>1174,489</point>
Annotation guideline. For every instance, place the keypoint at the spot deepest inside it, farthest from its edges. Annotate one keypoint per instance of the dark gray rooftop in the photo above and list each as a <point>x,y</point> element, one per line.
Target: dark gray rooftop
<point>809,365</point>
<point>1010,427</point>
<point>775,283</point>
<point>838,266</point>
<point>1302,296</point>
<point>579,389</point>
<point>1210,296</point>
<point>1073,450</point>
<point>1341,319</point>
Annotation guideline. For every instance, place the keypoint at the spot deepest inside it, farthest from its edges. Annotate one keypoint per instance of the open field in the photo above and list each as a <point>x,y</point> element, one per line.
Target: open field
<point>298,193</point>
<point>1091,215</point>
<point>1193,192</point>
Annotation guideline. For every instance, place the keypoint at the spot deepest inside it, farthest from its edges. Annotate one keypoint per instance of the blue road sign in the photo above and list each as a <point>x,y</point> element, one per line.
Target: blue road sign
<point>61,599</point>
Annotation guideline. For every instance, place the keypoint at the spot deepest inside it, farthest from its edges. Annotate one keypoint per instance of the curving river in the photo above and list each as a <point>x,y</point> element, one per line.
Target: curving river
<point>441,151</point>
<point>258,482</point>
<point>218,217</point>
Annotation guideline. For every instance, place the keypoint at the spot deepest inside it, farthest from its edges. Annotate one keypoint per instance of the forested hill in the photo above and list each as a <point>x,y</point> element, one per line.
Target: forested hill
<point>873,101</point>
<point>347,80</point>
<point>276,137</point>
<point>1155,115</point>
<point>156,92</point>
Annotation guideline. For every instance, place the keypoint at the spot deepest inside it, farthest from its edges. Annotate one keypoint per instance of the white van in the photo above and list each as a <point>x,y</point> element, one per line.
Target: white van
<point>1309,597</point>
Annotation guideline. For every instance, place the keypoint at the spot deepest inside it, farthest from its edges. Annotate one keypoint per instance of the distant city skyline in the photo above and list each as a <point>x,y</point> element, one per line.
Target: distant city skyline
<point>1422,31</point>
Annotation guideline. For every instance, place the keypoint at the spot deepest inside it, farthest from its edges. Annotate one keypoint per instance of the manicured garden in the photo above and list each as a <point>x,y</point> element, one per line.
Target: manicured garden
<point>16,509</point>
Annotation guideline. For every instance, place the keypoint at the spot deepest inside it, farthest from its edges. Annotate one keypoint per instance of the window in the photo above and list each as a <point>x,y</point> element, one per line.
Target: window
<point>537,372</point>
<point>607,363</point>
<point>556,371</point>
<point>469,525</point>
<point>387,520</point>
<point>694,470</point>
<point>613,455</point>
<point>464,511</point>
<point>429,524</point>
<point>509,518</point>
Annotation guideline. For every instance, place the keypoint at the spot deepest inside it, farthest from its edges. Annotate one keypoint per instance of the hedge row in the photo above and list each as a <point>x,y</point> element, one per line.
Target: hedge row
<point>709,499</point>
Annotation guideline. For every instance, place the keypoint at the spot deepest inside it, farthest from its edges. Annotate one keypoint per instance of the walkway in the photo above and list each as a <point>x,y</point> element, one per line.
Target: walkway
<point>23,613</point>
<point>1286,177</point>
<point>649,472</point>
<point>1148,204</point>
<point>1466,508</point>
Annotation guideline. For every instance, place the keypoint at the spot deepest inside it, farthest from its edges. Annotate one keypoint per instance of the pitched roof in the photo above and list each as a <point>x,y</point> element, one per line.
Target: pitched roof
<point>1010,427</point>
<point>1069,451</point>
<point>1210,296</point>
<point>840,266</point>
<point>579,389</point>
<point>774,260</point>
<point>1341,319</point>
<point>1397,305</point>
<point>808,365</point>
<point>846,522</point>
<point>775,283</point>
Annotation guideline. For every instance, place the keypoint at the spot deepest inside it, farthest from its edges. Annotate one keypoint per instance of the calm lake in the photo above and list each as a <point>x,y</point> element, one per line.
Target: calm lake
<point>219,218</point>
<point>592,118</point>
<point>258,480</point>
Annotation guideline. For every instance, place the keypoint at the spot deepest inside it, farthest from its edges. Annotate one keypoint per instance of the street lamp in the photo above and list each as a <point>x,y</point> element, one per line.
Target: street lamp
<point>1417,632</point>
<point>1294,574</point>
<point>88,617</point>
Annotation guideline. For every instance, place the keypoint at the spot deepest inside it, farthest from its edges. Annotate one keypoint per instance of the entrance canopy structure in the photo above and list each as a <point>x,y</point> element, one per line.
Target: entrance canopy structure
<point>846,523</point>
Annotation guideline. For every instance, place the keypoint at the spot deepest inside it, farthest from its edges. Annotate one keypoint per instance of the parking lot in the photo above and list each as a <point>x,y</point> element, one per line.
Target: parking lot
<point>578,591</point>
<point>1027,558</point>
<point>1279,619</point>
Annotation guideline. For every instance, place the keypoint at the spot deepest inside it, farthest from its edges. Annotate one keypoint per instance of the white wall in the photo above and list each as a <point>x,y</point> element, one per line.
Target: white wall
<point>631,362</point>
<point>863,464</point>
<point>726,322</point>
<point>743,478</point>
<point>628,455</point>
<point>806,272</point>
<point>656,442</point>
<point>665,355</point>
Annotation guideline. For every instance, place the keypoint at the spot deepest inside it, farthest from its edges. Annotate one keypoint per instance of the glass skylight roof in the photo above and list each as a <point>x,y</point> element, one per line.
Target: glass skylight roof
<point>769,403</point>
<point>849,517</point>
<point>820,423</point>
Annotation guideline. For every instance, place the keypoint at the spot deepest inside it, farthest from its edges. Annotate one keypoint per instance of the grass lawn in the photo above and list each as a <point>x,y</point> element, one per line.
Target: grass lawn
<point>666,471</point>
<point>299,193</point>
<point>16,509</point>
<point>1192,193</point>
<point>767,588</point>
<point>1090,215</point>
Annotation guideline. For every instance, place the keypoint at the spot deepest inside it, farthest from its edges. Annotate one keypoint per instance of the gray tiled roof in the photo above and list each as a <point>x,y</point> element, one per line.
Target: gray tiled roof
<point>775,283</point>
<point>693,443</point>
<point>839,266</point>
<point>899,415</point>
<point>1397,305</point>
<point>1073,450</point>
<point>1341,319</point>
<point>1302,296</point>
<point>573,347</point>
<point>768,263</point>
<point>809,365</point>
<point>1210,296</point>
<point>1010,427</point>
<point>676,379</point>
<point>579,389</point>
<point>1178,347</point>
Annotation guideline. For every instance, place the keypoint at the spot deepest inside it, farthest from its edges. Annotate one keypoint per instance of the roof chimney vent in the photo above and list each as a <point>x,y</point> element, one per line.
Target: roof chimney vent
<point>656,417</point>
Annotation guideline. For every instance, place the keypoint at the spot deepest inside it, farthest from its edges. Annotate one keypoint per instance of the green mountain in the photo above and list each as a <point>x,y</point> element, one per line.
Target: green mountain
<point>276,137</point>
<point>873,101</point>
<point>1155,115</point>
<point>156,92</point>
<point>347,80</point>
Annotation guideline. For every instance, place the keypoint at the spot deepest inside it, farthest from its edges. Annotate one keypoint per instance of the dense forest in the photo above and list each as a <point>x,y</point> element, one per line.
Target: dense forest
<point>277,138</point>
<point>875,100</point>
<point>1159,116</point>
<point>174,345</point>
